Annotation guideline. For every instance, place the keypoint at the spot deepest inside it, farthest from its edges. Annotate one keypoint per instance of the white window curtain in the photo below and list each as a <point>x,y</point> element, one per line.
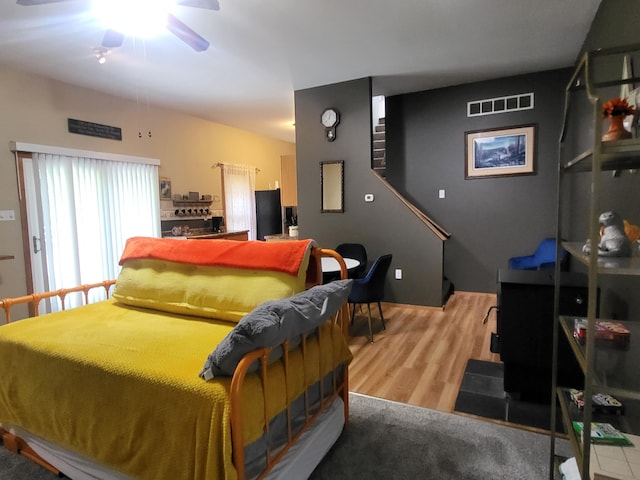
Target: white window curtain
<point>239,183</point>
<point>89,208</point>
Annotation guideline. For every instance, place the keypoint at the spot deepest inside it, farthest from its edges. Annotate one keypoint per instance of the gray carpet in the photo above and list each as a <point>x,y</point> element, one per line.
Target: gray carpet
<point>388,440</point>
<point>16,467</point>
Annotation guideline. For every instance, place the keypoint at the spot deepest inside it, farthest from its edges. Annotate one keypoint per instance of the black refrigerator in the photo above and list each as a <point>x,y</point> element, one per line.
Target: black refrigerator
<point>268,213</point>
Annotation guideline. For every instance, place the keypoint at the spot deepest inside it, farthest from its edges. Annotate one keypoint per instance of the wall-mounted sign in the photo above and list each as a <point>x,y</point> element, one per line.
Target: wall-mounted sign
<point>94,129</point>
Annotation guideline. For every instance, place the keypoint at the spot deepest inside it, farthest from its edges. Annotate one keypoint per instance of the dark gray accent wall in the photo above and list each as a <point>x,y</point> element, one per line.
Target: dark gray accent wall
<point>384,225</point>
<point>615,24</point>
<point>490,219</point>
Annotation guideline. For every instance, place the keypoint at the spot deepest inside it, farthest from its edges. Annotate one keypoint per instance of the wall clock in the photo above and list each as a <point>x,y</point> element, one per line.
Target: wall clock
<point>330,119</point>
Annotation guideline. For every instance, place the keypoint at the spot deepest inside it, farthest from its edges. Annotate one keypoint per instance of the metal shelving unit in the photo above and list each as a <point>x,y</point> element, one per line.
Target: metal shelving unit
<point>609,369</point>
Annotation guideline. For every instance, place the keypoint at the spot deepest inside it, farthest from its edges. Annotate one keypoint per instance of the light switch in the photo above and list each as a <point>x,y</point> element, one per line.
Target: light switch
<point>7,215</point>
<point>441,193</point>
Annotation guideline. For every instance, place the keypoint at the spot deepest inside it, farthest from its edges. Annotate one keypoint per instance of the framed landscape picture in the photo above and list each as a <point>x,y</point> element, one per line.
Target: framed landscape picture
<point>500,152</point>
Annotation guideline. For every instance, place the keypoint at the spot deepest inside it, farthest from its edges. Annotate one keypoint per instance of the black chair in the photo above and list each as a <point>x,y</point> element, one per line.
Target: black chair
<point>371,289</point>
<point>357,251</point>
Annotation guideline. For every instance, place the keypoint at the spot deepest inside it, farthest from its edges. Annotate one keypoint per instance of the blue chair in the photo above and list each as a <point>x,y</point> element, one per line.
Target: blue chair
<point>371,289</point>
<point>543,257</point>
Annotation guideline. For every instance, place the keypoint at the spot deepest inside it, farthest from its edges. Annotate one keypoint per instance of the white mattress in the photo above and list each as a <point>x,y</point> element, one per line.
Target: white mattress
<point>298,462</point>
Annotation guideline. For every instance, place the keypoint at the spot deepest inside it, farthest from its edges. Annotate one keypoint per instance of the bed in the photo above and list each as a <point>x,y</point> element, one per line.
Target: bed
<point>210,359</point>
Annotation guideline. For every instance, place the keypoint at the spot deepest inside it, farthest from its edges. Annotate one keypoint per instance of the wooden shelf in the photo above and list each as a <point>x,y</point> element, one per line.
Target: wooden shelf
<point>7,257</point>
<point>187,203</point>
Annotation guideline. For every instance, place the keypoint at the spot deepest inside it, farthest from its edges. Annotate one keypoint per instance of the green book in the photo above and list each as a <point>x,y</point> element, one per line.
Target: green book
<point>604,433</point>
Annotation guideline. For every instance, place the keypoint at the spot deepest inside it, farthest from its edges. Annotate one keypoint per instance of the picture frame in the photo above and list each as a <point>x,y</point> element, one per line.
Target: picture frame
<point>165,188</point>
<point>500,152</point>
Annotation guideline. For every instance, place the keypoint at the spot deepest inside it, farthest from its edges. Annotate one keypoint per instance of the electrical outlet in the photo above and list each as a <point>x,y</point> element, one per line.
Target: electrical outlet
<point>7,215</point>
<point>398,274</point>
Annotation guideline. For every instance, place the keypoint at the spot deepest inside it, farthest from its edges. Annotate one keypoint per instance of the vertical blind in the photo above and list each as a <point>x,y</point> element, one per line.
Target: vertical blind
<point>89,208</point>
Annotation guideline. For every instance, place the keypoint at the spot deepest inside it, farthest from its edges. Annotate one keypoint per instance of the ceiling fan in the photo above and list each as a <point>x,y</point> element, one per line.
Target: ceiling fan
<point>113,38</point>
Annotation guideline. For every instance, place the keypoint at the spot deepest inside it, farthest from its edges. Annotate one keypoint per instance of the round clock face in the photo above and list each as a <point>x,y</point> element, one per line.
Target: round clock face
<point>329,118</point>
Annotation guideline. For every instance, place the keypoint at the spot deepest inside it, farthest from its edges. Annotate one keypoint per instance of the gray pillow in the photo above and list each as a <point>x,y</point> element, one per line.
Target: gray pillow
<point>272,322</point>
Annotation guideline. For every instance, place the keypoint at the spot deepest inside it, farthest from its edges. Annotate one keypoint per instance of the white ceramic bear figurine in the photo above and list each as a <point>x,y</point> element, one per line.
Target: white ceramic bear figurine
<point>613,239</point>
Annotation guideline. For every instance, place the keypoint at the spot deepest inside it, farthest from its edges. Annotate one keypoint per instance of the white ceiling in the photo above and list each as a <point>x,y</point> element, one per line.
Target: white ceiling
<point>262,51</point>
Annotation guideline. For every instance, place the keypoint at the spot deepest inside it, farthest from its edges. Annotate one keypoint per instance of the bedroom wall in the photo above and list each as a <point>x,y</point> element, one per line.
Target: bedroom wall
<point>35,110</point>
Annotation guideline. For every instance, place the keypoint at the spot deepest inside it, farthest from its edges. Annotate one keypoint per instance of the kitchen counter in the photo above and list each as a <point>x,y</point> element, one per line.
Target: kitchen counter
<point>239,235</point>
<point>279,237</point>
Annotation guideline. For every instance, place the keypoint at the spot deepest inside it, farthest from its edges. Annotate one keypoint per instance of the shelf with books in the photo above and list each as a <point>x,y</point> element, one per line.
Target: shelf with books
<point>628,422</point>
<point>616,363</point>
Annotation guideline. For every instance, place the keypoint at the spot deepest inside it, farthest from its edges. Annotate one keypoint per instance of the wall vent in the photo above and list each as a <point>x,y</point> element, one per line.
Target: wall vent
<point>490,106</point>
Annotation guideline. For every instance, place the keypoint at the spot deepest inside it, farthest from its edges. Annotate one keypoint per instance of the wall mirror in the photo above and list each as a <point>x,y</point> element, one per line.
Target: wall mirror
<point>332,186</point>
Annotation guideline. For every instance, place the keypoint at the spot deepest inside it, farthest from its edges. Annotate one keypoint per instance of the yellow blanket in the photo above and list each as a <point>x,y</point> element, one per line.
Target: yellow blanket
<point>120,385</point>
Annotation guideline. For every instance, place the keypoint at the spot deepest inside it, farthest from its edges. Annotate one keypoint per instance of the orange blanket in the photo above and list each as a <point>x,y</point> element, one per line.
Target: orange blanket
<point>285,257</point>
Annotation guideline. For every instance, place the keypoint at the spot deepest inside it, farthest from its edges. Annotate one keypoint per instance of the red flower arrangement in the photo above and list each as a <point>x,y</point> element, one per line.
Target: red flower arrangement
<point>617,106</point>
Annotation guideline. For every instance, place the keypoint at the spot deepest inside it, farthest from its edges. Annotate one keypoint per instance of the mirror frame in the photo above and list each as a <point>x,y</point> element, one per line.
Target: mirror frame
<point>324,182</point>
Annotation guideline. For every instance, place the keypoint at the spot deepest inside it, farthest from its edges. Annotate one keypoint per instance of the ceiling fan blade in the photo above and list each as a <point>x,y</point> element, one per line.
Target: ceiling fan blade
<point>207,4</point>
<point>112,39</point>
<point>187,35</point>
<point>28,3</point>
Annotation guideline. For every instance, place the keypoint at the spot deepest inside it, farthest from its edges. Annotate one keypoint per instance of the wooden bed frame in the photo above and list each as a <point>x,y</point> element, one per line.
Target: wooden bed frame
<point>339,388</point>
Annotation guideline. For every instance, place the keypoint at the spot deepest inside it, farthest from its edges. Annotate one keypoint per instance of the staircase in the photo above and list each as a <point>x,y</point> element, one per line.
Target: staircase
<point>379,166</point>
<point>379,148</point>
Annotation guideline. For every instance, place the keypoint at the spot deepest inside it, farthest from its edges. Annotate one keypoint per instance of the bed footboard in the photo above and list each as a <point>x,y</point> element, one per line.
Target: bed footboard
<point>35,298</point>
<point>339,388</point>
<point>10,441</point>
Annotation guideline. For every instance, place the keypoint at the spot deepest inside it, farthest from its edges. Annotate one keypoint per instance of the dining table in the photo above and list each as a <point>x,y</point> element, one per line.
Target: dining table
<point>331,267</point>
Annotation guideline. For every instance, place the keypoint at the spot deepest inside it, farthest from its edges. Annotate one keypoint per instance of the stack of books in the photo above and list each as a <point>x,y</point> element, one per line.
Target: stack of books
<point>604,433</point>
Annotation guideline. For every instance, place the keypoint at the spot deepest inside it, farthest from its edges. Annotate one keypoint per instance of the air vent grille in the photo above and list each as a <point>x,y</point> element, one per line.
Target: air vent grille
<point>491,106</point>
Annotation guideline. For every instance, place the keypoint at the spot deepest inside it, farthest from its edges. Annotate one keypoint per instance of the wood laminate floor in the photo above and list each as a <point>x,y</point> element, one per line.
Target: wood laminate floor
<point>421,356</point>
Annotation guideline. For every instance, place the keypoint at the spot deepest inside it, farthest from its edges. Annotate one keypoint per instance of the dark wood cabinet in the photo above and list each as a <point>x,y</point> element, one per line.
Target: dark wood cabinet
<point>525,330</point>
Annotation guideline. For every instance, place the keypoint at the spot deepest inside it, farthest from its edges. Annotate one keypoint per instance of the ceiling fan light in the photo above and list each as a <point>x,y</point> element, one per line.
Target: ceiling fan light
<point>101,54</point>
<point>139,18</point>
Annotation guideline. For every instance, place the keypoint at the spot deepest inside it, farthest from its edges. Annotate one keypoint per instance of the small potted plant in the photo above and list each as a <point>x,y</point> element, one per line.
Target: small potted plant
<point>616,110</point>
